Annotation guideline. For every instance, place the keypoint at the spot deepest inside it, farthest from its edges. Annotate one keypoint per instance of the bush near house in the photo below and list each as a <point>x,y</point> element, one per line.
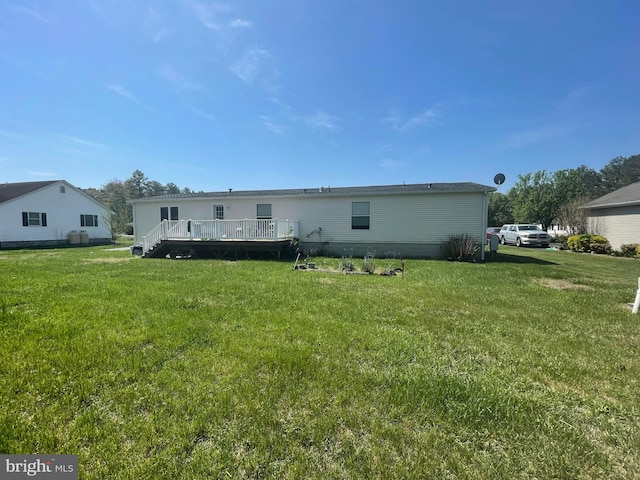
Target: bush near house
<point>631,250</point>
<point>587,243</point>
<point>461,248</point>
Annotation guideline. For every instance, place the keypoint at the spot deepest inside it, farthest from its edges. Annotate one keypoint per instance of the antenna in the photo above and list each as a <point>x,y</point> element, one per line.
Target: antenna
<point>499,179</point>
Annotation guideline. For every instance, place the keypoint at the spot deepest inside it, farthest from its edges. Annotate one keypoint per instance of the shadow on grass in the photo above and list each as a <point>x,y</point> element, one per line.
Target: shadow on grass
<point>507,258</point>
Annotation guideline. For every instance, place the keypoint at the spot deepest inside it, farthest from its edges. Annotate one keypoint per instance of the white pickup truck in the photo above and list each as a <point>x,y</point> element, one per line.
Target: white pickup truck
<point>520,235</point>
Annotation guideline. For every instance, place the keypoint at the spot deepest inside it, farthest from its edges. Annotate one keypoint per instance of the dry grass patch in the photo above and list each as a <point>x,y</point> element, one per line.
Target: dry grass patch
<point>108,260</point>
<point>558,284</point>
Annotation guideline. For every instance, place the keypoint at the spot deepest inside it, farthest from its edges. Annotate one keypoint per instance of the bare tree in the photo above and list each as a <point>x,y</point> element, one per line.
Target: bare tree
<point>572,217</point>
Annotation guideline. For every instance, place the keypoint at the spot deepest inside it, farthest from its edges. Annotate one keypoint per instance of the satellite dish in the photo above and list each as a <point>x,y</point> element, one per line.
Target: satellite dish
<point>499,179</point>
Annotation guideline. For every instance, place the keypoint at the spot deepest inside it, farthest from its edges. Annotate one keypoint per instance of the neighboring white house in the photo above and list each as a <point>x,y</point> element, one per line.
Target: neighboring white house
<point>616,216</point>
<point>50,213</point>
<point>412,220</point>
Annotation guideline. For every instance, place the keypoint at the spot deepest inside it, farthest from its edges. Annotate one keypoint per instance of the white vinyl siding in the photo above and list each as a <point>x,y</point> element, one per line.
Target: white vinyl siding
<point>619,225</point>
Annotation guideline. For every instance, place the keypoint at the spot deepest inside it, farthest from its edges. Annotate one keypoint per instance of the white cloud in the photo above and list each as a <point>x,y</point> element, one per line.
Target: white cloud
<point>202,113</point>
<point>173,76</point>
<point>272,126</point>
<point>240,23</point>
<point>123,92</point>
<point>403,123</point>
<point>85,143</point>
<point>250,64</point>
<point>158,35</point>
<point>32,12</point>
<point>207,13</point>
<point>320,119</point>
<point>155,25</point>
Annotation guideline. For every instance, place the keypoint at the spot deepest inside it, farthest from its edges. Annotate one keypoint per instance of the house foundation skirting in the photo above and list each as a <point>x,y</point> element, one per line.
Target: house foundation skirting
<point>51,243</point>
<point>378,250</point>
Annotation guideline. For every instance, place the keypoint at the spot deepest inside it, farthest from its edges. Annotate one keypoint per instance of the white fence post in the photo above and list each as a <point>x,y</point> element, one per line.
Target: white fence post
<point>636,304</point>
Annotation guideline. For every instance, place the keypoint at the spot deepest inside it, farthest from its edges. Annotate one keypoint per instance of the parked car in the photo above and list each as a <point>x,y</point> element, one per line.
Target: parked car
<point>520,235</point>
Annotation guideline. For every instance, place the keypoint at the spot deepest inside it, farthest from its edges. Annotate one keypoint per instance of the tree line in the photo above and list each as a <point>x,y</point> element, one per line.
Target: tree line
<point>117,195</point>
<point>547,198</point>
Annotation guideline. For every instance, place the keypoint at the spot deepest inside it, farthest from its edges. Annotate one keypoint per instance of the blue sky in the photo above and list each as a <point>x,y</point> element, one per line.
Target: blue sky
<point>290,93</point>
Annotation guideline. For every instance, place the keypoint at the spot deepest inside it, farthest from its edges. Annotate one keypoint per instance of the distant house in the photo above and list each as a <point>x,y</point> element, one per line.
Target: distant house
<point>616,216</point>
<point>412,220</point>
<point>50,213</point>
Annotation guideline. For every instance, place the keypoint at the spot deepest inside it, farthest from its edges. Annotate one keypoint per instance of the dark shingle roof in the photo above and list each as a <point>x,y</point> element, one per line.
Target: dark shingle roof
<point>625,196</point>
<point>9,191</point>
<point>325,191</point>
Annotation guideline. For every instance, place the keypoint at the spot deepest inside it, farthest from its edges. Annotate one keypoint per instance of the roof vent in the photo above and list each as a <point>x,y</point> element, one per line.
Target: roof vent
<point>230,190</point>
<point>321,189</point>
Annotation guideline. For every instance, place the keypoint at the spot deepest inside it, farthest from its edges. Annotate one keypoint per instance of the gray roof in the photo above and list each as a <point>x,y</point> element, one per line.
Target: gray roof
<point>9,191</point>
<point>464,187</point>
<point>625,196</point>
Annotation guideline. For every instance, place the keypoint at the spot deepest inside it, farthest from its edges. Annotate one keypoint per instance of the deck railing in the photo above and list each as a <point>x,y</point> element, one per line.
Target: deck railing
<point>218,230</point>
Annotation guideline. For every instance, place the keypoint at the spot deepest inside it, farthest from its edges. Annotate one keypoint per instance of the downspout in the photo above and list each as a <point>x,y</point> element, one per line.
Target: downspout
<point>485,219</point>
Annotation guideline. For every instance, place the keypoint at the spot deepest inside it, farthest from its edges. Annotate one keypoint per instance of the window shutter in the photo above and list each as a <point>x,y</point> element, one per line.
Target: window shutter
<point>44,220</point>
<point>82,220</point>
<point>95,220</point>
<point>25,219</point>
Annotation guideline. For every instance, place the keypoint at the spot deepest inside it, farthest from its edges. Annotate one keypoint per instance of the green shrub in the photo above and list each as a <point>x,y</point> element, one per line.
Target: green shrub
<point>629,250</point>
<point>586,243</point>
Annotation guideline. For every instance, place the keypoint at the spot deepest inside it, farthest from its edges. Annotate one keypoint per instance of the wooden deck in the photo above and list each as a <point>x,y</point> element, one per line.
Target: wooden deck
<point>231,249</point>
<point>220,238</point>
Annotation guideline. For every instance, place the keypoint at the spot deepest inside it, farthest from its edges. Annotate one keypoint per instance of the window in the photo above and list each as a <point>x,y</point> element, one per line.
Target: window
<point>360,215</point>
<point>218,212</point>
<point>264,211</point>
<point>166,211</point>
<point>34,219</point>
<point>88,220</point>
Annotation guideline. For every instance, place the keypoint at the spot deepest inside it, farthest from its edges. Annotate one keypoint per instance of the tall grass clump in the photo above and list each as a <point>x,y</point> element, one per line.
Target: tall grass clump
<point>461,248</point>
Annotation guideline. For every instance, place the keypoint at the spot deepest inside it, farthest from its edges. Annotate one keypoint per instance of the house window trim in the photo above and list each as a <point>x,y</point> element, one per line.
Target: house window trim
<point>218,212</point>
<point>360,220</point>
<point>170,213</point>
<point>264,216</point>
<point>88,218</point>
<point>28,219</point>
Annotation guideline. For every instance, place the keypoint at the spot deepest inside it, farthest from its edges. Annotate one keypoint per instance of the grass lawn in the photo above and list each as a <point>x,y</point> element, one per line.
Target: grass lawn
<point>524,367</point>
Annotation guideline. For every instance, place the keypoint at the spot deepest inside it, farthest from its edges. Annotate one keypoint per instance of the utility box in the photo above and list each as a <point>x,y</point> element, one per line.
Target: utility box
<point>494,241</point>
